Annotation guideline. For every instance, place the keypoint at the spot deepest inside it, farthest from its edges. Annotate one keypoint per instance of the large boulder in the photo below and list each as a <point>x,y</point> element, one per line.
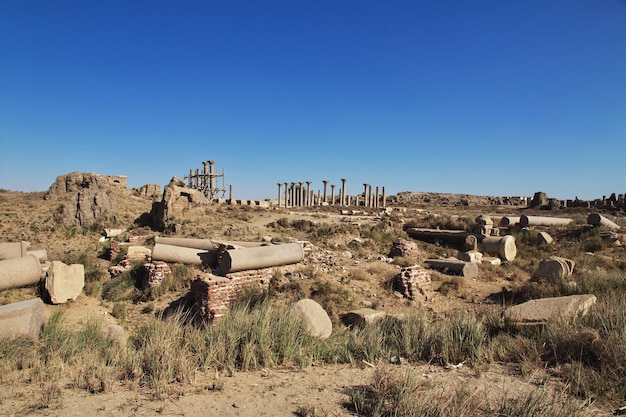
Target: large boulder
<point>316,318</point>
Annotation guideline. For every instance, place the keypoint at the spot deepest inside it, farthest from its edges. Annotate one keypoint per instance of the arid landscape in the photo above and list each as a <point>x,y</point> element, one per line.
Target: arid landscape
<point>442,342</point>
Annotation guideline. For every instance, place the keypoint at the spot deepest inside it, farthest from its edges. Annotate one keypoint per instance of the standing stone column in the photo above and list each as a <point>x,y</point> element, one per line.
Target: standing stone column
<point>190,178</point>
<point>279,186</point>
<point>308,193</point>
<point>325,184</point>
<point>365,195</point>
<point>332,194</point>
<point>292,194</point>
<point>376,199</point>
<point>343,191</point>
<point>371,196</point>
<point>319,200</point>
<point>286,193</point>
<point>384,198</point>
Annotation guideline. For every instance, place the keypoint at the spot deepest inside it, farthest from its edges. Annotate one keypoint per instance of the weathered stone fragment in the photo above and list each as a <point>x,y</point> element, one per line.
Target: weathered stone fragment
<point>316,318</point>
<point>64,282</point>
<point>546,310</point>
<point>362,317</point>
<point>24,318</point>
<point>470,256</point>
<point>137,252</point>
<point>544,238</point>
<point>180,254</point>
<point>116,333</point>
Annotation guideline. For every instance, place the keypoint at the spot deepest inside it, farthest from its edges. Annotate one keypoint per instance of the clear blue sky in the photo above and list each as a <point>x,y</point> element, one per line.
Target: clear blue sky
<point>485,97</point>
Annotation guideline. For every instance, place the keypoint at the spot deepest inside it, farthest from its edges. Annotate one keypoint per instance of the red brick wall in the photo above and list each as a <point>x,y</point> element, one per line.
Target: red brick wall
<point>214,294</point>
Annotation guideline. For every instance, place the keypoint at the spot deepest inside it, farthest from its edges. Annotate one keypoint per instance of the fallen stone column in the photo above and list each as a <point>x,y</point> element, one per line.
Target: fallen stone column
<point>509,221</point>
<point>244,259</point>
<point>526,221</point>
<point>25,318</point>
<point>205,244</point>
<point>503,246</point>
<point>64,282</point>
<point>236,244</point>
<point>466,269</point>
<point>555,268</point>
<point>596,219</point>
<point>19,272</point>
<point>10,250</point>
<point>179,254</point>
<point>432,234</point>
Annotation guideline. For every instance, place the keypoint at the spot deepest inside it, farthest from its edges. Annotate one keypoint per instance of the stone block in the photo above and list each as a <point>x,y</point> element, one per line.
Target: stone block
<point>316,318</point>
<point>64,282</point>
<point>25,318</point>
<point>546,310</point>
<point>544,238</point>
<point>470,256</point>
<point>138,252</point>
<point>362,317</point>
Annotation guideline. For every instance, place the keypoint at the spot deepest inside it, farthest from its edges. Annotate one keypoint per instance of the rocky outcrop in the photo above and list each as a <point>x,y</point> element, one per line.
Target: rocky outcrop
<point>86,198</point>
<point>177,198</point>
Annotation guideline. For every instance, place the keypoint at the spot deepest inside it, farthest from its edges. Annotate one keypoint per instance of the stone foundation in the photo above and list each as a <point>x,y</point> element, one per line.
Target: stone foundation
<point>155,273</point>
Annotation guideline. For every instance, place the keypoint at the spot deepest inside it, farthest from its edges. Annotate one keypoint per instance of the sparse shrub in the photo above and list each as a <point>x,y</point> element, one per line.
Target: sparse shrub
<point>119,310</point>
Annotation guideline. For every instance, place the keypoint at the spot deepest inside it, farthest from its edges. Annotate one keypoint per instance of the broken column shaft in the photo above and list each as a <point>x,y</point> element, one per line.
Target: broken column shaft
<point>204,244</point>
<point>503,246</point>
<point>526,221</point>
<point>179,254</point>
<point>596,219</point>
<point>467,269</point>
<point>260,257</point>
<point>19,272</point>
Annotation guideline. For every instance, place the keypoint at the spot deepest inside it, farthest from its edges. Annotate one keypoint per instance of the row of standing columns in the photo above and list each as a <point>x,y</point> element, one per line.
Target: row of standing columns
<point>300,194</point>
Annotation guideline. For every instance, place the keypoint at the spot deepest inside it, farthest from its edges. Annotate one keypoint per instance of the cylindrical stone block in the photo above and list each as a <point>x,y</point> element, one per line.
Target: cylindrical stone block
<point>179,254</point>
<point>526,221</point>
<point>19,272</point>
<point>205,244</point>
<point>244,259</point>
<point>467,269</point>
<point>596,219</point>
<point>509,221</point>
<point>503,246</point>
<point>9,250</point>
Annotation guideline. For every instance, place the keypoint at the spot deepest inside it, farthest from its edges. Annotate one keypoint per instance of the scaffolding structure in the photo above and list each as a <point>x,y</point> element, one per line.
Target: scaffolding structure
<point>207,181</point>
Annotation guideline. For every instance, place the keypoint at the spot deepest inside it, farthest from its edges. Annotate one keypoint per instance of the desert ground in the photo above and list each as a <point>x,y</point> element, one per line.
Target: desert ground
<point>347,268</point>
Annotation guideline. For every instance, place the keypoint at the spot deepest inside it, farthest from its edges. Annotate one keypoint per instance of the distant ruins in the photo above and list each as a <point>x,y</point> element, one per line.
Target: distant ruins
<point>297,195</point>
<point>207,181</point>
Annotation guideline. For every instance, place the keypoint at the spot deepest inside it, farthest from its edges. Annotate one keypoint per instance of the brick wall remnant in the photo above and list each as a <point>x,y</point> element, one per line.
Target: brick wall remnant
<point>155,273</point>
<point>413,280</point>
<point>214,295</point>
